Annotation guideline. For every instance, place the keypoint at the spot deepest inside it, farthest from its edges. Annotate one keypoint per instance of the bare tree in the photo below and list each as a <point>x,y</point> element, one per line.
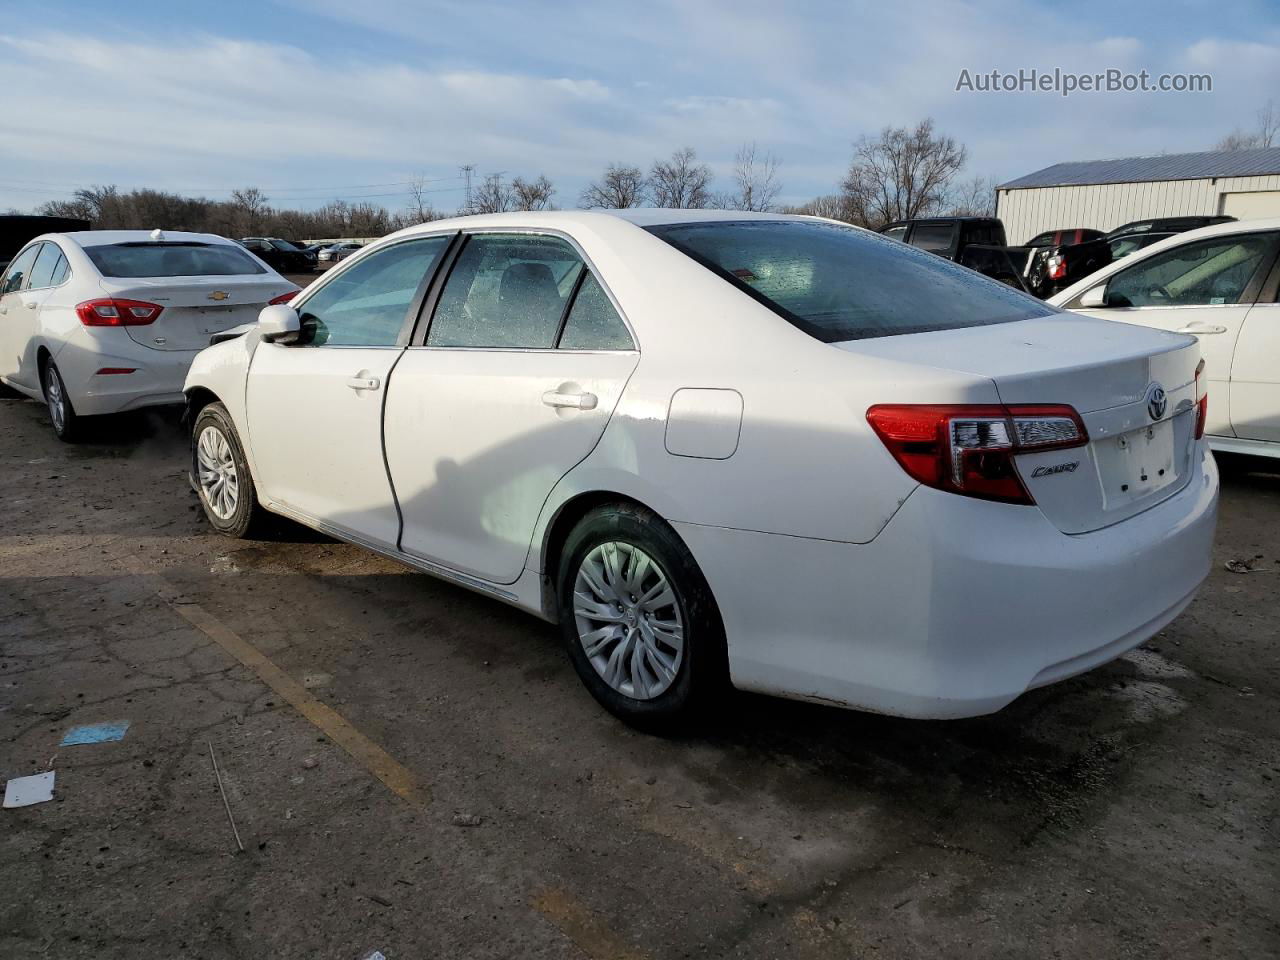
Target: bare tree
<point>532,194</point>
<point>419,209</point>
<point>492,195</point>
<point>903,173</point>
<point>1263,135</point>
<point>832,206</point>
<point>681,182</point>
<point>755,180</point>
<point>975,197</point>
<point>619,188</point>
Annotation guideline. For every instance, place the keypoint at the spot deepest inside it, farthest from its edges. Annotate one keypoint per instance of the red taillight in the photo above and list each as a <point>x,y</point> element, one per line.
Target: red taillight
<point>1057,267</point>
<point>114,312</point>
<point>113,371</point>
<point>1202,402</point>
<point>283,298</point>
<point>970,449</point>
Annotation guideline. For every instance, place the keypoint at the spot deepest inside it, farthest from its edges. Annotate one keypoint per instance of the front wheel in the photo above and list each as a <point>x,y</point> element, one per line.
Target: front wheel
<point>640,623</point>
<point>222,476</point>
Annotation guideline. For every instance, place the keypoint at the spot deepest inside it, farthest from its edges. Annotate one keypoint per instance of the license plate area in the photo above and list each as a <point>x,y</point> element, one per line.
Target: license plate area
<point>217,319</point>
<point>1134,465</point>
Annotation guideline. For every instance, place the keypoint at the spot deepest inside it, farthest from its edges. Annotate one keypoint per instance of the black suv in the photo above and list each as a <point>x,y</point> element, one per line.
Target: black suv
<point>1165,225</point>
<point>281,255</point>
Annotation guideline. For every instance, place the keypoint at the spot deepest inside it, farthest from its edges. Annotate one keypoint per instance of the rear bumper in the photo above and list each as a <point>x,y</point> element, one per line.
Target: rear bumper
<point>958,606</point>
<point>157,378</point>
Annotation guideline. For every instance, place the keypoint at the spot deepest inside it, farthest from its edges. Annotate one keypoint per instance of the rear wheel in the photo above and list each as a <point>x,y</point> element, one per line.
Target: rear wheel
<point>66,423</point>
<point>639,620</point>
<point>221,472</point>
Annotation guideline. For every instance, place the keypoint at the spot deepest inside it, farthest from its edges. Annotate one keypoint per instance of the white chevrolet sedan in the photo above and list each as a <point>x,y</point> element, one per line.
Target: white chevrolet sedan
<point>105,321</point>
<point>1220,284</point>
<point>722,448</point>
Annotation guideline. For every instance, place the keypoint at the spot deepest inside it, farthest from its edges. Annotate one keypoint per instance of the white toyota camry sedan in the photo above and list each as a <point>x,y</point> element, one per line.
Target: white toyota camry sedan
<point>721,448</point>
<point>105,321</point>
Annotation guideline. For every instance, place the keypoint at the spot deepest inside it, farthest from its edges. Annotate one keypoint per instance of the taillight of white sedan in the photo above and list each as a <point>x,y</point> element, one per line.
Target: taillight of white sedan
<point>721,448</point>
<point>105,321</point>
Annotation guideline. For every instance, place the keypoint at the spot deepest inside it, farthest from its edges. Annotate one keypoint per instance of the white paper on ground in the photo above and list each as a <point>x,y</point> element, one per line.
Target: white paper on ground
<point>24,791</point>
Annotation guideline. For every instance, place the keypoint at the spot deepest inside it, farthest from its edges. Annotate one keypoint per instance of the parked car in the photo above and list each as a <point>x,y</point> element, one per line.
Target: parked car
<point>338,251</point>
<point>1220,284</point>
<point>105,321</point>
<point>721,447</point>
<point>280,254</point>
<point>1126,243</point>
<point>1065,237</point>
<point>1057,267</point>
<point>975,242</point>
<point>1167,225</point>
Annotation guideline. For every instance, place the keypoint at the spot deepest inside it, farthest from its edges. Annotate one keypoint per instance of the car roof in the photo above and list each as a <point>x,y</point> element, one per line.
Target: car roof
<point>567,219</point>
<point>97,238</point>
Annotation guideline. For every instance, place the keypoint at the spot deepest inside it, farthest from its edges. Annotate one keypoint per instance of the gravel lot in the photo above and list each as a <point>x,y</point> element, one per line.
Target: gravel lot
<point>417,770</point>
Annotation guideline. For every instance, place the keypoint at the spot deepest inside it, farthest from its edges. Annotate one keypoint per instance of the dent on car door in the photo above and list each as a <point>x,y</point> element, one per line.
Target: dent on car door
<point>314,407</point>
<point>1205,288</point>
<point>512,385</point>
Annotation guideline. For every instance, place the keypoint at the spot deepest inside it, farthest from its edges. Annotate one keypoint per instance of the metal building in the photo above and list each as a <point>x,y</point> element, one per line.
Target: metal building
<point>1103,194</point>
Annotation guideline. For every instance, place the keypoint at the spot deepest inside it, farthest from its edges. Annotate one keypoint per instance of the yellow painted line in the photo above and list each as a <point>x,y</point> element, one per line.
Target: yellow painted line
<point>588,932</point>
<point>397,778</point>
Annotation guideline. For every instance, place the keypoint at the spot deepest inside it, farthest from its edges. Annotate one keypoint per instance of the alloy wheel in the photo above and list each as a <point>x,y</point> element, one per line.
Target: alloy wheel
<point>216,473</point>
<point>628,620</point>
<point>55,399</point>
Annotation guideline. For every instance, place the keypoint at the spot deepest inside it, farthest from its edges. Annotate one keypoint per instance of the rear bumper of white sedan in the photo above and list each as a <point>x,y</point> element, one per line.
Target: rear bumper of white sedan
<point>958,606</point>
<point>156,379</point>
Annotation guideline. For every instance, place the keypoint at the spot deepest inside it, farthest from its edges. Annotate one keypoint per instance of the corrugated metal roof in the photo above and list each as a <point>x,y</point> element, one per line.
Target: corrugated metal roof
<point>1169,166</point>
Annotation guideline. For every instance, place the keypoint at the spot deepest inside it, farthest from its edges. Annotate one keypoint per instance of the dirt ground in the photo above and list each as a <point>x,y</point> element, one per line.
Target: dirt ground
<point>417,770</point>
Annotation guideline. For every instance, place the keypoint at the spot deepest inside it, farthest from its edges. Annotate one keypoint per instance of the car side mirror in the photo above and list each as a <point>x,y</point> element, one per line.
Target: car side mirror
<point>279,323</point>
<point>1094,297</point>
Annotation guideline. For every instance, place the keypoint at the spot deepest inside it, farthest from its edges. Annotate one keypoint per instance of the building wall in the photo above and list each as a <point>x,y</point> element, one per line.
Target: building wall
<point>1104,206</point>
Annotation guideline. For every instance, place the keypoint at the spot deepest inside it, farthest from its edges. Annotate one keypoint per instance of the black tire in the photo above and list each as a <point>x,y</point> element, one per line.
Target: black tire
<point>247,515</point>
<point>701,677</point>
<point>67,424</point>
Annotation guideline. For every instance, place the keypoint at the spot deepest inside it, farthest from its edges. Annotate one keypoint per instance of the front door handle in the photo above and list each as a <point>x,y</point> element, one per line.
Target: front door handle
<point>363,383</point>
<point>1201,328</point>
<point>32,305</point>
<point>578,401</point>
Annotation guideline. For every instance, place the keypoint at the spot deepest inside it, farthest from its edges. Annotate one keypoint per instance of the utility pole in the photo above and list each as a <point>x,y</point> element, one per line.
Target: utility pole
<point>467,170</point>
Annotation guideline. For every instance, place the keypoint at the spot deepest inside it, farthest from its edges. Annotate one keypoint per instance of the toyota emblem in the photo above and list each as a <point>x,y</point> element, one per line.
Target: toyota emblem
<point>1157,401</point>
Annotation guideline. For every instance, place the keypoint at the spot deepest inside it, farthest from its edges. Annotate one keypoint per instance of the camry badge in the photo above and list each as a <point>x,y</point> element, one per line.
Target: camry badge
<point>1157,401</point>
<point>219,295</point>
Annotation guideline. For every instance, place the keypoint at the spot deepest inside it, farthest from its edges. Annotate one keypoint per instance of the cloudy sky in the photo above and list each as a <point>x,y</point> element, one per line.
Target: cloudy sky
<point>318,99</point>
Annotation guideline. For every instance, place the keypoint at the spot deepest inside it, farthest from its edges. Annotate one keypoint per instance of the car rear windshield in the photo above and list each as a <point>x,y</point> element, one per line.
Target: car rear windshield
<point>159,259</point>
<point>839,283</point>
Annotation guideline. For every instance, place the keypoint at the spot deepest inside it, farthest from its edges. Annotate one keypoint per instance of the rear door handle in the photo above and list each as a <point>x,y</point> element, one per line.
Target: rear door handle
<point>578,401</point>
<point>362,383</point>
<point>1198,327</point>
<point>32,305</point>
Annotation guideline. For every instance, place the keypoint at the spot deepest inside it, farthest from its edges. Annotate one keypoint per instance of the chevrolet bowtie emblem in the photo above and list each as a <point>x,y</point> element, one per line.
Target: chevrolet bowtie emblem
<point>219,295</point>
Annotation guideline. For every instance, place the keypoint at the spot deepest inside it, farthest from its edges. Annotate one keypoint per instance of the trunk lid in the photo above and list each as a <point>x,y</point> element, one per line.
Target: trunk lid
<point>1139,453</point>
<point>195,308</point>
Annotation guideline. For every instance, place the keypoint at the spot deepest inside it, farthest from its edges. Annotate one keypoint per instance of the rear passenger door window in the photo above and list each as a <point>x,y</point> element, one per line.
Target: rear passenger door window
<point>506,291</point>
<point>45,265</point>
<point>593,323</point>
